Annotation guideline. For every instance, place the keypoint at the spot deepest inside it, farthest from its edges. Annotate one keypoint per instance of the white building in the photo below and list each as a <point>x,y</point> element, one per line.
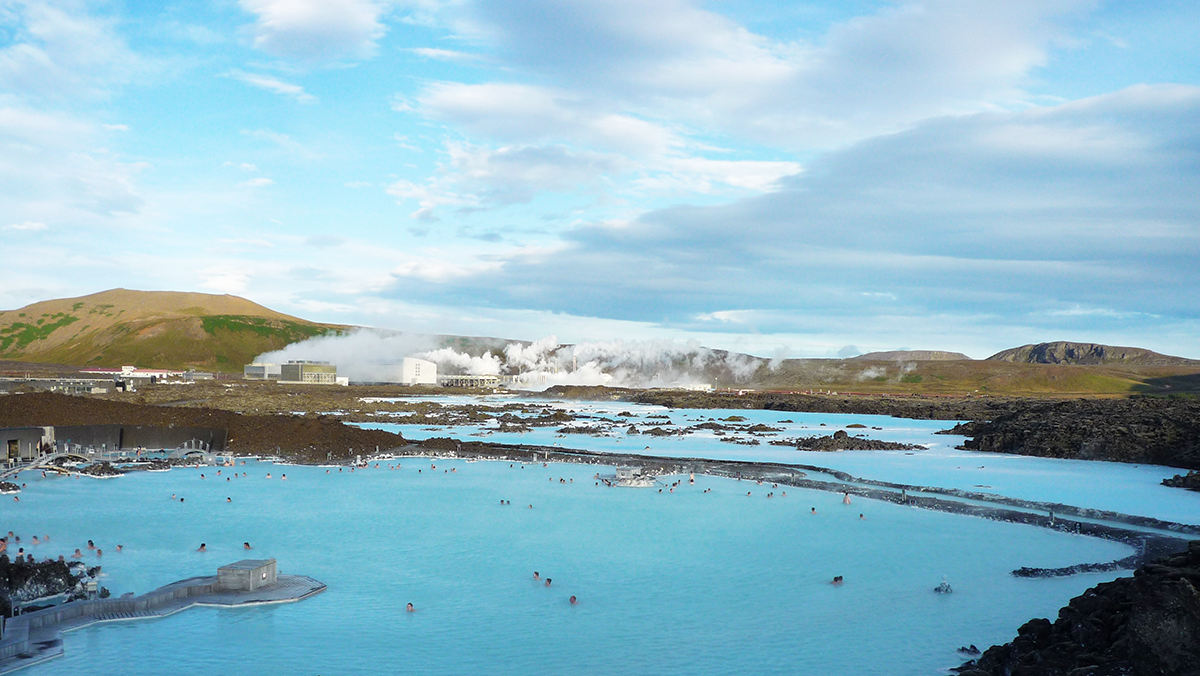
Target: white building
<point>418,372</point>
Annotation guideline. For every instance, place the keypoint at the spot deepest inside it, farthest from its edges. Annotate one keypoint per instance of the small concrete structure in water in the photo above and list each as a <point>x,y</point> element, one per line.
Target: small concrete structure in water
<point>247,575</point>
<point>37,636</point>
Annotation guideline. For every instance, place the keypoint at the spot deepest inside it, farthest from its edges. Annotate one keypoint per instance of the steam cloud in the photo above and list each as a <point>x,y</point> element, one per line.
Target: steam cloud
<point>369,355</point>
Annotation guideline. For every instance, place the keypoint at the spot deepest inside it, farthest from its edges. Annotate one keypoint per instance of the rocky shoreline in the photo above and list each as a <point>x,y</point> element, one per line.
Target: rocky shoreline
<point>1141,625</point>
<point>22,581</point>
<point>1137,429</point>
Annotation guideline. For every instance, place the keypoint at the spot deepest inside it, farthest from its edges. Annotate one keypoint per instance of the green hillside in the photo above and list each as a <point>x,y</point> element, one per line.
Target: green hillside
<point>150,329</point>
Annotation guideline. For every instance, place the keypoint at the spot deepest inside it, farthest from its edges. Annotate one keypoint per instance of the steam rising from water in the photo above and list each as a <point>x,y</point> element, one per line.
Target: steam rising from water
<point>369,355</point>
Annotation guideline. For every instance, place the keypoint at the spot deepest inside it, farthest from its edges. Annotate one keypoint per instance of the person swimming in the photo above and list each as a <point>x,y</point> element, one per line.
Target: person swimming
<point>837,581</point>
<point>814,510</point>
<point>409,608</point>
<point>572,600</point>
<point>77,555</point>
<point>203,547</point>
<point>99,552</point>
<point>536,576</point>
<point>861,516</point>
<point>245,545</point>
<point>120,548</point>
<point>91,545</point>
<point>228,499</point>
<point>547,582</point>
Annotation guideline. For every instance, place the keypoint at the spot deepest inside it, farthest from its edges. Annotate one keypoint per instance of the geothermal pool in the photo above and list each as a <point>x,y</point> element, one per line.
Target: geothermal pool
<point>690,582</point>
<point>1117,487</point>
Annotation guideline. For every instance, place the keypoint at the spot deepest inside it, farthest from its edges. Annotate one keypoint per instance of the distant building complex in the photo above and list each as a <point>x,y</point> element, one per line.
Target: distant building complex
<point>297,372</point>
<point>469,381</point>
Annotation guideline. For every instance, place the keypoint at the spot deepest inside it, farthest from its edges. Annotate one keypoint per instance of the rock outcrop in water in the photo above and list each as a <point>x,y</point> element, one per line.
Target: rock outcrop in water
<point>841,441</point>
<point>1145,625</point>
<point>23,581</point>
<point>1190,481</point>
<point>1140,429</point>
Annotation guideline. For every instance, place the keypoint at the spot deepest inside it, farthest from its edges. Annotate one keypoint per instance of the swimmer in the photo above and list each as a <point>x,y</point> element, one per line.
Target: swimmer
<point>36,541</point>
<point>814,510</point>
<point>245,545</point>
<point>120,548</point>
<point>283,478</point>
<point>837,581</point>
<point>91,545</point>
<point>536,576</point>
<point>531,506</point>
<point>268,475</point>
<point>203,547</point>
<point>860,516</point>
<point>228,499</point>
<point>99,552</point>
<point>16,498</point>
<point>77,555</point>
<point>572,600</point>
<point>409,608</point>
<point>547,582</point>
<point>181,499</point>
<point>201,476</point>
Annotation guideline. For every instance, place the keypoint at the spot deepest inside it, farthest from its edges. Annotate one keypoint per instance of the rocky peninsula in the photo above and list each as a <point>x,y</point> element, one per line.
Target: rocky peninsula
<point>1144,625</point>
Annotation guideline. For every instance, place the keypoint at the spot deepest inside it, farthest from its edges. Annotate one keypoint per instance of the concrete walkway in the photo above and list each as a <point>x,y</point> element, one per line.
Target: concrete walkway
<point>35,637</point>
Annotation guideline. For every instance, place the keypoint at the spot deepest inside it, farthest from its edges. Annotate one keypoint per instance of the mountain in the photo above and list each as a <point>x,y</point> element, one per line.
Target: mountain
<point>150,329</point>
<point>1090,354</point>
<point>911,355</point>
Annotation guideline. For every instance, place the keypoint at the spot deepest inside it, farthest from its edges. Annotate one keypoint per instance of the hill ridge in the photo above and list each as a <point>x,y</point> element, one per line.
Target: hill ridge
<point>160,329</point>
<point>1068,352</point>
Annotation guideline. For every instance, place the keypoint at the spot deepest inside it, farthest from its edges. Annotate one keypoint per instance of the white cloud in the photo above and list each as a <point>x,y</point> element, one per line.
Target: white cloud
<point>530,114</point>
<point>314,30</point>
<point>273,85</point>
<point>958,222</point>
<point>56,50</point>
<point>873,74</point>
<point>445,55</point>
<point>27,226</point>
<point>51,171</point>
<point>225,278</point>
<point>259,182</point>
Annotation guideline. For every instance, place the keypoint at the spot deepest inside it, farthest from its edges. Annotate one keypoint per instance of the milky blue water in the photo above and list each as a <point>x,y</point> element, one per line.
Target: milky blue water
<point>672,583</point>
<point>1118,487</point>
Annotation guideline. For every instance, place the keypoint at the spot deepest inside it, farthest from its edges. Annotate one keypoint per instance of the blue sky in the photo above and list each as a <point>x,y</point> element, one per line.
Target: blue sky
<point>780,178</point>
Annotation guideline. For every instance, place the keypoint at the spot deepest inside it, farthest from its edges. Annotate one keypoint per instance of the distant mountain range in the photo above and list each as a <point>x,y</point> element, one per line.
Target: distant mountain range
<point>1088,354</point>
<point>150,329</point>
<point>912,355</point>
<point>164,329</point>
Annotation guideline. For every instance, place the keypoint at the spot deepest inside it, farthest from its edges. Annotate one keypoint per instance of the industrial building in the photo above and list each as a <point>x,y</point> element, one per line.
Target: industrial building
<point>418,372</point>
<point>261,371</point>
<point>469,381</point>
<point>310,373</point>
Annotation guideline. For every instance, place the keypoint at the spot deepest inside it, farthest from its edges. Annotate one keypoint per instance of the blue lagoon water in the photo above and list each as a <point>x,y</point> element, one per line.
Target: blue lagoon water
<point>670,583</point>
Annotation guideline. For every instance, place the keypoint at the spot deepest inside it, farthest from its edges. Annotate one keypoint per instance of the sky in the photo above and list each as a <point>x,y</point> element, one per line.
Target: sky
<point>787,179</point>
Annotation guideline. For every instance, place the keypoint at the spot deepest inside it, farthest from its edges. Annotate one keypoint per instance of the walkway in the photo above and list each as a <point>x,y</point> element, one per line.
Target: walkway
<point>35,637</point>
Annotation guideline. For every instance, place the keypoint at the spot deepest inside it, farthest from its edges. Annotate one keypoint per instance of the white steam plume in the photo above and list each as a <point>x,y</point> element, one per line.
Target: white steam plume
<point>369,355</point>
